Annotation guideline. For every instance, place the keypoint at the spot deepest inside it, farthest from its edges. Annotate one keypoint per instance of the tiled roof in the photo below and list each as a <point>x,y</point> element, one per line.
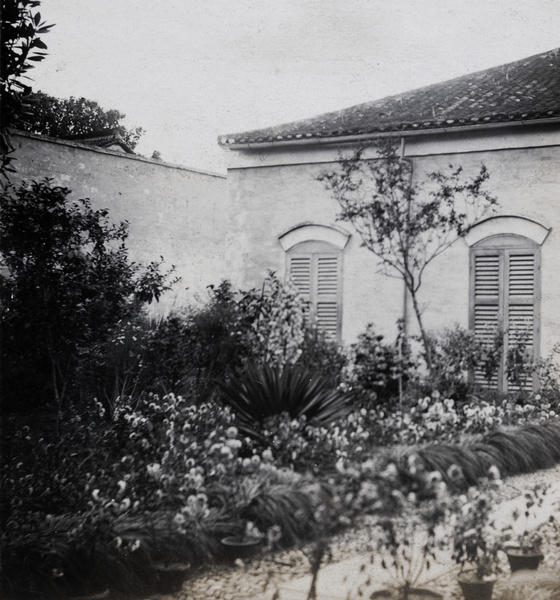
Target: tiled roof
<point>524,90</point>
<point>106,138</point>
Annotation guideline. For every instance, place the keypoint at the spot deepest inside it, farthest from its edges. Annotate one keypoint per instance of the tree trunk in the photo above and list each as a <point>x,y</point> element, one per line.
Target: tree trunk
<point>423,334</point>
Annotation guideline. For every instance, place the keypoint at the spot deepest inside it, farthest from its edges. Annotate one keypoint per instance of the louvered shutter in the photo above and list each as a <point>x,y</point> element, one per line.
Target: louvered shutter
<point>486,304</point>
<point>505,301</point>
<point>521,305</point>
<point>317,275</point>
<point>300,274</point>
<point>327,294</point>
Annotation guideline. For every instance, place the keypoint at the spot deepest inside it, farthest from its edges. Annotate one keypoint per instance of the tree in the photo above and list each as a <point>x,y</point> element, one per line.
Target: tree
<point>405,223</point>
<point>65,281</point>
<point>21,47</point>
<point>63,118</point>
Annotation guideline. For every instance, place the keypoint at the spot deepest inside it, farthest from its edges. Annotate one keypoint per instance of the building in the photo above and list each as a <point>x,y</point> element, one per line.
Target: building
<point>502,275</point>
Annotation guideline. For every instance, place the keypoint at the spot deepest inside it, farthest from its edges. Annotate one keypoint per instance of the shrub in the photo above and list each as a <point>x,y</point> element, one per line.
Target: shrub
<point>323,355</point>
<point>376,368</point>
<point>277,501</point>
<point>299,445</point>
<point>262,391</point>
<point>189,351</point>
<point>67,281</point>
<point>548,374</point>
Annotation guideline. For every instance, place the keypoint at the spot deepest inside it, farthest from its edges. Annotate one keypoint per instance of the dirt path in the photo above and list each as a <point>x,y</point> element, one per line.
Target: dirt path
<point>243,581</point>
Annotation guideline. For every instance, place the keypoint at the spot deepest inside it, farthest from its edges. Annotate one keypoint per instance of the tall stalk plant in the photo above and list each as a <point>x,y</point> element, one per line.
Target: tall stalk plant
<point>404,222</point>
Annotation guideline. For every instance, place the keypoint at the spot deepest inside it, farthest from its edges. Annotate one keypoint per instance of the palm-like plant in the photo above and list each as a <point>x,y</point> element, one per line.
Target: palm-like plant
<point>262,391</point>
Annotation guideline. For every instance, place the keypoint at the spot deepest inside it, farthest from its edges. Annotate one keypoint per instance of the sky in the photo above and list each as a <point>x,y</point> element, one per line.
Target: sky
<point>189,70</point>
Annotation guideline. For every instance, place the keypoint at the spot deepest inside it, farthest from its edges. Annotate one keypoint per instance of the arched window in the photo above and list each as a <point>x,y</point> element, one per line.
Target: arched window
<point>505,293</point>
<point>314,256</point>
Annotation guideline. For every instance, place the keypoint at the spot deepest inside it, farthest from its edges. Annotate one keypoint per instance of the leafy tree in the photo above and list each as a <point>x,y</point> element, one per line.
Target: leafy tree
<point>66,280</point>
<point>63,118</point>
<point>21,47</point>
<point>406,223</point>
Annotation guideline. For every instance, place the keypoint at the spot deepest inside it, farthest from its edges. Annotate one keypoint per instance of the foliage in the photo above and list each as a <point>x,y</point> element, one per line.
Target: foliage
<point>411,506</point>
<point>519,532</point>
<point>187,352</point>
<point>262,391</point>
<point>66,281</point>
<point>322,354</point>
<point>400,220</point>
<point>376,368</point>
<point>455,354</point>
<point>277,502</point>
<point>475,543</point>
<point>297,444</point>
<point>548,375</point>
<point>64,118</point>
<point>22,46</point>
<point>280,326</point>
<point>436,418</point>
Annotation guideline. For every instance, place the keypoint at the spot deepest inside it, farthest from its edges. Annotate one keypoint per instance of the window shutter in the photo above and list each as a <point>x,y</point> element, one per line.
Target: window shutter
<point>317,275</point>
<point>486,305</point>
<point>300,274</point>
<point>327,300</point>
<point>505,300</point>
<point>521,305</point>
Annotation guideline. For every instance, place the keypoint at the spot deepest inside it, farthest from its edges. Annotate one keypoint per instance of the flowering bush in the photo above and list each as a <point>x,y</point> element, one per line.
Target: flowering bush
<point>434,418</point>
<point>299,445</point>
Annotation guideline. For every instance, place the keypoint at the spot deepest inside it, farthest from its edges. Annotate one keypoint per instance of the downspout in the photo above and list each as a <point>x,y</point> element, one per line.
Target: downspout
<point>403,335</point>
<point>405,290</point>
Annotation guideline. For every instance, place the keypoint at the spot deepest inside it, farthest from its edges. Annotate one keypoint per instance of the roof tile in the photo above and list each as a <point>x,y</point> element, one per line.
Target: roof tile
<point>523,90</point>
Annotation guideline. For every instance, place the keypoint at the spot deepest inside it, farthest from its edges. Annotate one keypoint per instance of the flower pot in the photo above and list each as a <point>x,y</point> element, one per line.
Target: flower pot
<point>413,594</point>
<point>170,577</point>
<point>475,589</point>
<point>237,548</point>
<point>522,558</point>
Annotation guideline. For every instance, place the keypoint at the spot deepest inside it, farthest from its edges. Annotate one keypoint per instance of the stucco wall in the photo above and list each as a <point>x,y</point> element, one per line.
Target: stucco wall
<point>273,189</point>
<point>174,212</point>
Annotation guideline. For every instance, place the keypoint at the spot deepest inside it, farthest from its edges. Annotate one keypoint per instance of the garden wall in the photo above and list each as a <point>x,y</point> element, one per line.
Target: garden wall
<point>173,211</point>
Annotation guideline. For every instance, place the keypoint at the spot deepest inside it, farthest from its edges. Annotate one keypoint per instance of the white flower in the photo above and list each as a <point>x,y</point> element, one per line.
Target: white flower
<point>154,469</point>
<point>232,432</point>
<point>494,473</point>
<point>267,455</point>
<point>179,519</point>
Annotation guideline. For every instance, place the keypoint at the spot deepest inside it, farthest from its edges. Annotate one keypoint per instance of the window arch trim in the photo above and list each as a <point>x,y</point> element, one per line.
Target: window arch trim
<point>314,232</point>
<point>507,225</point>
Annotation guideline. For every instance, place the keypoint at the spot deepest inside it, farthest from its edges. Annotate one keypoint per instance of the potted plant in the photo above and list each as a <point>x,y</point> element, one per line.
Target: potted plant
<point>474,543</point>
<point>522,542</point>
<point>245,544</point>
<point>411,508</point>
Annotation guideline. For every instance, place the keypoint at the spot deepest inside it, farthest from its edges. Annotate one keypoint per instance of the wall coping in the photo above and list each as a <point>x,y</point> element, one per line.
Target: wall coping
<point>99,150</point>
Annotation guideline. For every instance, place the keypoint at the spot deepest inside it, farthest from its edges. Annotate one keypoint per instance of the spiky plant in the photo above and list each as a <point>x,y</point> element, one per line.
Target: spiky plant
<point>262,391</point>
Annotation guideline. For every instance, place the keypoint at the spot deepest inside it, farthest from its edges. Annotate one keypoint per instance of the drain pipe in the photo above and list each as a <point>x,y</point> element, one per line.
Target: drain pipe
<point>404,333</point>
